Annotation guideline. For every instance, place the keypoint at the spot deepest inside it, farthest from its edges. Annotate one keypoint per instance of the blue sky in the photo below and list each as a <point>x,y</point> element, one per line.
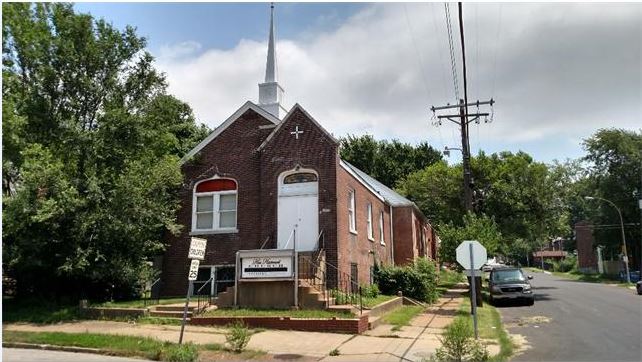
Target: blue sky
<point>559,72</point>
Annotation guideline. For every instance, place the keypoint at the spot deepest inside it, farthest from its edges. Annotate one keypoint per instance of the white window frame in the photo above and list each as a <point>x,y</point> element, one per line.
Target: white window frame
<point>381,233</point>
<point>352,217</point>
<point>216,203</point>
<point>369,221</point>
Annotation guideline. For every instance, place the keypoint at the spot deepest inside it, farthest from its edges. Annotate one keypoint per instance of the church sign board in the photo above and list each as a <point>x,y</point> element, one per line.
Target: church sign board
<point>266,264</point>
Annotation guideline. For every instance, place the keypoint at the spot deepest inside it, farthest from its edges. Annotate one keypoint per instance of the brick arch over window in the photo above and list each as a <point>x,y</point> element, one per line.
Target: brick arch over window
<point>214,207</point>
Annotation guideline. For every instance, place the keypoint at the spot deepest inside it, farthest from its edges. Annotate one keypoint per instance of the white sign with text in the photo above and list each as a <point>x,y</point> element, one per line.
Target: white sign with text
<point>193,270</point>
<point>197,249</point>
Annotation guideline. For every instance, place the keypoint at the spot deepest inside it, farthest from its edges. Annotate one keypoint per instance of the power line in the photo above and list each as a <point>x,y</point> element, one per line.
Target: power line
<point>417,52</point>
<point>441,59</point>
<point>451,47</point>
<point>499,27</point>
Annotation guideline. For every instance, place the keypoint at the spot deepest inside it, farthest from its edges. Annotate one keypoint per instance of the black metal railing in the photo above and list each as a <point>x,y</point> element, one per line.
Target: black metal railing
<point>150,291</point>
<point>205,299</point>
<point>311,270</point>
<point>347,290</point>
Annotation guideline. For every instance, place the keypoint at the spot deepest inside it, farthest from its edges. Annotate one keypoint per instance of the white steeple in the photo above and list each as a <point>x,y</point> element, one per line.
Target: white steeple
<point>270,92</point>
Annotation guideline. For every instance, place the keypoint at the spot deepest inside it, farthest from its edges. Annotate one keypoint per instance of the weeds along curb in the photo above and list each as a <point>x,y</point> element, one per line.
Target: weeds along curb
<point>50,347</point>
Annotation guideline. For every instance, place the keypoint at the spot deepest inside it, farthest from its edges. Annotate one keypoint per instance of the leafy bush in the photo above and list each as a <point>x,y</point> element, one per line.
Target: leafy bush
<point>418,280</point>
<point>568,264</point>
<point>180,353</point>
<point>237,337</point>
<point>370,291</point>
<point>459,345</point>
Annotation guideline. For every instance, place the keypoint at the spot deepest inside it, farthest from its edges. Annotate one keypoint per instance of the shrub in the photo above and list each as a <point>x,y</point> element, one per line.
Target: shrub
<point>370,291</point>
<point>237,337</point>
<point>335,352</point>
<point>180,353</point>
<point>459,345</point>
<point>418,280</point>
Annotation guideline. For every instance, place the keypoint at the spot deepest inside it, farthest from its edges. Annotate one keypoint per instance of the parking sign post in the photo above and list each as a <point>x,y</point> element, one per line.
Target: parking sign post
<point>472,291</point>
<point>196,253</point>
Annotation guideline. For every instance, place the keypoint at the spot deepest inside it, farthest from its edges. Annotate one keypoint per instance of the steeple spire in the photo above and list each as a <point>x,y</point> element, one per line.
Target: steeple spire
<point>270,92</point>
<point>270,66</point>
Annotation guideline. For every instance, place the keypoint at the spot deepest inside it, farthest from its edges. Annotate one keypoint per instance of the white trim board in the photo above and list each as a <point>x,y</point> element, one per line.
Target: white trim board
<point>223,126</point>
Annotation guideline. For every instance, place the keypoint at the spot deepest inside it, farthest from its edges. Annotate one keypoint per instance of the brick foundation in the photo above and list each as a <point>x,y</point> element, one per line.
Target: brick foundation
<point>332,325</point>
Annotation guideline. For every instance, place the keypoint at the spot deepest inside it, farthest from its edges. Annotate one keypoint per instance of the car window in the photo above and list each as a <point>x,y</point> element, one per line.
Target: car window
<point>503,276</point>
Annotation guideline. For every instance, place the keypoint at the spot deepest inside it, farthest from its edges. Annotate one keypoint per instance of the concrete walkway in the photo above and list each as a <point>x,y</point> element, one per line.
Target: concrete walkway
<point>411,343</point>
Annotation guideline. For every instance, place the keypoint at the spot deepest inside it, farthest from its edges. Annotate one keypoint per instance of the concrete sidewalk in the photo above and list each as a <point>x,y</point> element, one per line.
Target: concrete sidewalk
<point>411,343</point>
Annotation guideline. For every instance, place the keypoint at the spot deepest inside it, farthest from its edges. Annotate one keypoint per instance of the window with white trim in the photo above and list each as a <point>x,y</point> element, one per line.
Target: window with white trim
<point>370,231</point>
<point>351,209</point>
<point>215,205</point>
<point>381,234</point>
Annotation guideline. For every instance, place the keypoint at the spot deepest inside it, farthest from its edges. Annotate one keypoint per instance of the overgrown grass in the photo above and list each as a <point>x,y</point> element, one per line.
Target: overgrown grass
<point>448,279</point>
<point>489,325</point>
<point>302,313</point>
<point>138,303</point>
<point>401,316</point>
<point>38,311</point>
<point>159,320</point>
<point>369,302</point>
<point>116,344</point>
<point>130,346</point>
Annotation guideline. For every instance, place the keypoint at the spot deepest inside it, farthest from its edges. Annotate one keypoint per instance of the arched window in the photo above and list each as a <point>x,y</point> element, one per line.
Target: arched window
<point>215,203</point>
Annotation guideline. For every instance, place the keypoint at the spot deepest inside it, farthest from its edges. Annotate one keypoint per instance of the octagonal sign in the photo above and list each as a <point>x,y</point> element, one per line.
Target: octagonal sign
<point>479,254</point>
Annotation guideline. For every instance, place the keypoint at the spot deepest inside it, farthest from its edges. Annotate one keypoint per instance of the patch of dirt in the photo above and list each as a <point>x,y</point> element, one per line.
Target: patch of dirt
<point>534,320</point>
<point>209,356</point>
<point>520,343</point>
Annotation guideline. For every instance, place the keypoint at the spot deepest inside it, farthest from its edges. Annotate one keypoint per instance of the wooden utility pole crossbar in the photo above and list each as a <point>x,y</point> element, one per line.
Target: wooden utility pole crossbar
<point>463,119</point>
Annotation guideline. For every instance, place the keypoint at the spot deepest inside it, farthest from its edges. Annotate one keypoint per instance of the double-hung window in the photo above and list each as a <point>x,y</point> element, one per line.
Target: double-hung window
<point>351,212</point>
<point>215,204</point>
<point>370,229</point>
<point>381,238</point>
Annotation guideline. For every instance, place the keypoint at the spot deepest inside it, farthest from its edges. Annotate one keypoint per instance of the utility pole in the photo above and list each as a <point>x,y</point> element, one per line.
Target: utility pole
<point>463,119</point>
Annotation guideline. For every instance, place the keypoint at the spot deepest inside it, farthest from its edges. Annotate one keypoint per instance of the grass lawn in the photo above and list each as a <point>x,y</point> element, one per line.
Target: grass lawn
<point>128,345</point>
<point>489,326</point>
<point>448,279</point>
<point>589,278</point>
<point>371,302</point>
<point>302,313</point>
<point>140,303</point>
<point>37,311</point>
<point>401,316</point>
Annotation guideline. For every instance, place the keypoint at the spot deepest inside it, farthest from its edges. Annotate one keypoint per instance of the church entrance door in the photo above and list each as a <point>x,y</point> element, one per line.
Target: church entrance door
<point>298,209</point>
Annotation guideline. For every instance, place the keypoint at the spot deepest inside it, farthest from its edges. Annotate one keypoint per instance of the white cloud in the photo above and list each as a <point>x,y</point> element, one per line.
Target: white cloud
<point>558,70</point>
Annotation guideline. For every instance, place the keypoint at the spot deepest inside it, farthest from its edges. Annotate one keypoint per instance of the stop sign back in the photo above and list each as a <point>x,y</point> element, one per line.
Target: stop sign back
<point>479,254</point>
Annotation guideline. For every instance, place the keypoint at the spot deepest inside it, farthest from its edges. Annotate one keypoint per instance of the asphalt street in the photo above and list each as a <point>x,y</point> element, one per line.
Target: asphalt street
<point>37,355</point>
<point>577,321</point>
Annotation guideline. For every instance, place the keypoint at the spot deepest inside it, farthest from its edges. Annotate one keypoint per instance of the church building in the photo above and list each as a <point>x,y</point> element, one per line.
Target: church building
<point>271,178</point>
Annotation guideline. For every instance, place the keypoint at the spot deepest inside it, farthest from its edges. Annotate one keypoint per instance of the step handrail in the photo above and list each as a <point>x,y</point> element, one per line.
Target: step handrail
<point>198,294</point>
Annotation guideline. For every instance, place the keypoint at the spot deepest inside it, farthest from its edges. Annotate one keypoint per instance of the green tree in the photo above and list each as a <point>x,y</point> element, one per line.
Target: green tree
<point>91,144</point>
<point>387,161</point>
<point>614,158</point>
<point>475,227</point>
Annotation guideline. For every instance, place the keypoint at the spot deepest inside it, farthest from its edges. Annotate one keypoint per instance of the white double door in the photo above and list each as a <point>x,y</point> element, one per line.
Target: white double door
<point>298,215</point>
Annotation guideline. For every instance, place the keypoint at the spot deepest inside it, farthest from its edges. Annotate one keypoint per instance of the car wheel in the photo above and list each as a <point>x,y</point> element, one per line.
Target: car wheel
<point>639,291</point>
<point>531,301</point>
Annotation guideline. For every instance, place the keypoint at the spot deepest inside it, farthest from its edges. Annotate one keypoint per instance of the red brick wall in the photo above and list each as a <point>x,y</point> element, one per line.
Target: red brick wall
<point>586,255</point>
<point>352,326</point>
<point>313,150</point>
<point>405,248</point>
<point>228,155</point>
<point>357,248</point>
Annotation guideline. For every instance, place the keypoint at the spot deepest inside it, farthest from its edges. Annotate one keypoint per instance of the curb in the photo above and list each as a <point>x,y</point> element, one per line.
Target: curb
<point>50,347</point>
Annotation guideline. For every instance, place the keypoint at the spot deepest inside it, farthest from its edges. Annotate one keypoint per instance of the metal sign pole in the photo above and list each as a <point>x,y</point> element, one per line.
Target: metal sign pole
<point>473,294</point>
<point>190,286</point>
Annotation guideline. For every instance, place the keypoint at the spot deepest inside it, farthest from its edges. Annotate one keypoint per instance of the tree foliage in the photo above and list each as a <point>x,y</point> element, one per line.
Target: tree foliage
<point>476,227</point>
<point>387,161</point>
<point>614,165</point>
<point>91,142</point>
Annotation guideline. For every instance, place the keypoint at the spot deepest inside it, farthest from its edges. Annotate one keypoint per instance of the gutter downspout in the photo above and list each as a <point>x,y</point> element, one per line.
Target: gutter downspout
<point>392,239</point>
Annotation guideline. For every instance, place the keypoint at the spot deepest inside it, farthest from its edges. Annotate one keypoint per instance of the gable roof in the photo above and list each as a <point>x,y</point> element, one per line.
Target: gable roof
<point>286,118</point>
<point>223,126</point>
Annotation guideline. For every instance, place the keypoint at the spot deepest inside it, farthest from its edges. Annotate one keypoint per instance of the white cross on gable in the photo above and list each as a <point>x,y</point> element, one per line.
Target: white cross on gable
<point>296,132</point>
